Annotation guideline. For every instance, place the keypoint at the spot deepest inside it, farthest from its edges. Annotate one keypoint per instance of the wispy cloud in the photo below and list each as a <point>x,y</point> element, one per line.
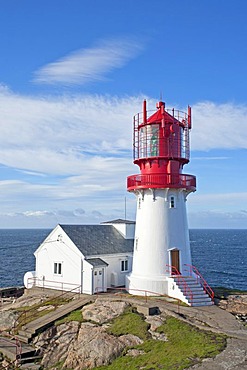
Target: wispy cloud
<point>67,152</point>
<point>91,64</point>
<point>219,126</point>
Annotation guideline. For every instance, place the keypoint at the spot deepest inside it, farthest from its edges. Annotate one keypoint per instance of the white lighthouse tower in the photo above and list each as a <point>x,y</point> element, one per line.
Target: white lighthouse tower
<point>162,258</point>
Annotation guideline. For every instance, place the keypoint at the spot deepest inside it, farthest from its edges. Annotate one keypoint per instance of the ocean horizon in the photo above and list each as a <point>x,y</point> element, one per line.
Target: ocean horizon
<point>219,254</point>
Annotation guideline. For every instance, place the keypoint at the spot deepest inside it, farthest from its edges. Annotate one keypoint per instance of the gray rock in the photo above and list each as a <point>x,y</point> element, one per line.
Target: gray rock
<point>135,352</point>
<point>154,321</point>
<point>8,319</point>
<point>93,347</point>
<point>56,342</point>
<point>130,340</point>
<point>236,304</point>
<point>103,311</point>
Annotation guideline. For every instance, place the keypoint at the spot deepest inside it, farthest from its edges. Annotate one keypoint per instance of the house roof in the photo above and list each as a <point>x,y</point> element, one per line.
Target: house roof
<point>118,221</point>
<point>96,262</point>
<point>93,240</point>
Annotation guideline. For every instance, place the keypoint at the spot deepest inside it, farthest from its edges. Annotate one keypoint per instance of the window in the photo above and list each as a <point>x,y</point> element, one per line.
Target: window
<point>172,202</point>
<point>136,244</point>
<point>139,202</point>
<point>58,268</point>
<point>124,266</point>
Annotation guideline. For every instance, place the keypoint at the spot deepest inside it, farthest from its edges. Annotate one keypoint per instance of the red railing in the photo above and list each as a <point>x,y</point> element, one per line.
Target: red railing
<point>200,279</point>
<point>181,282</point>
<point>161,181</point>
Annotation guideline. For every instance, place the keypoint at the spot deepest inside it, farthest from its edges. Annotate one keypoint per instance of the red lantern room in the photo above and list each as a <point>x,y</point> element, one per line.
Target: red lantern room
<point>161,149</point>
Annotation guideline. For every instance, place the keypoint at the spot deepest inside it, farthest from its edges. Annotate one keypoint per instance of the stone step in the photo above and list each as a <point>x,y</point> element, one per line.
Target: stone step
<point>28,360</point>
<point>198,296</point>
<point>9,349</point>
<point>25,333</point>
<point>34,327</point>
<point>199,304</point>
<point>23,339</point>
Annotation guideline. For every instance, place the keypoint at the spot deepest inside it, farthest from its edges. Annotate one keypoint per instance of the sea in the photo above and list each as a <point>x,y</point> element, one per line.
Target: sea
<point>219,255</point>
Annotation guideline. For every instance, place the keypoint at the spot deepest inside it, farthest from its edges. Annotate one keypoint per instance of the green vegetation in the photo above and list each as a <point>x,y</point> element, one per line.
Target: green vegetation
<point>72,316</point>
<point>130,323</point>
<point>186,345</point>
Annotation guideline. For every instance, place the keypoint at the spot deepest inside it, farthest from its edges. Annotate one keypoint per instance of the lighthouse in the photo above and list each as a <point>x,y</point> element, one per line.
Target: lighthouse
<point>162,257</point>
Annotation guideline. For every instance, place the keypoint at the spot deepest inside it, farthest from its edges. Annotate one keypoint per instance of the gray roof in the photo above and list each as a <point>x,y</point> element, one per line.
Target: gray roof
<point>118,221</point>
<point>93,240</point>
<point>96,262</point>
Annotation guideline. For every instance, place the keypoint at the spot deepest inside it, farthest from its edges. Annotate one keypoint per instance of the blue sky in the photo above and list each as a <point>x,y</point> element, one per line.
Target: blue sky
<point>72,75</point>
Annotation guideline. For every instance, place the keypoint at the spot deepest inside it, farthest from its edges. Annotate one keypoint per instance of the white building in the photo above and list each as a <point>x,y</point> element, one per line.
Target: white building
<point>85,258</point>
<point>162,259</point>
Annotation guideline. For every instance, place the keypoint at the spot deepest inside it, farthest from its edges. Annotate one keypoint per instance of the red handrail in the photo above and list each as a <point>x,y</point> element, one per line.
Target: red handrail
<point>187,291</point>
<point>141,181</point>
<point>201,280</point>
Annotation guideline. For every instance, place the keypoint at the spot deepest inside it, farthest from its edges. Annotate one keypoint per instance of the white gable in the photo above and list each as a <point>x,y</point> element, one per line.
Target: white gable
<point>125,228</point>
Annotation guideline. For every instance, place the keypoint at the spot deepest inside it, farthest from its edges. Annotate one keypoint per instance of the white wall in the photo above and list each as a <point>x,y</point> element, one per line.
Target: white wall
<point>114,266</point>
<point>126,230</point>
<point>87,277</point>
<point>159,229</point>
<point>58,248</point>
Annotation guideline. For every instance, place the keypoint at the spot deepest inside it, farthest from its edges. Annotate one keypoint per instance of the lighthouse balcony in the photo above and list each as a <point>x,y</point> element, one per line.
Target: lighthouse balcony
<point>159,181</point>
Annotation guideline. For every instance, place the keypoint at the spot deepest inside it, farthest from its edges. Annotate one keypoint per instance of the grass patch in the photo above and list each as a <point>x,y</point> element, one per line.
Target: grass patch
<point>72,316</point>
<point>130,323</point>
<point>186,346</point>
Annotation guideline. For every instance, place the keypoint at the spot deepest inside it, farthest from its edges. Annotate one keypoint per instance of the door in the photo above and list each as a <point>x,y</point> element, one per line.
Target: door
<point>175,261</point>
<point>98,280</point>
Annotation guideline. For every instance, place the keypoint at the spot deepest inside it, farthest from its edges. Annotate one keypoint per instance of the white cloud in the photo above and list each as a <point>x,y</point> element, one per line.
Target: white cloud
<point>219,126</point>
<point>90,64</point>
<point>66,135</point>
<point>69,152</point>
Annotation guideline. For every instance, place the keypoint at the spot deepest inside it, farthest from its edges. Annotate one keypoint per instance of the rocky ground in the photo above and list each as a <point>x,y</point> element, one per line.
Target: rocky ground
<point>87,345</point>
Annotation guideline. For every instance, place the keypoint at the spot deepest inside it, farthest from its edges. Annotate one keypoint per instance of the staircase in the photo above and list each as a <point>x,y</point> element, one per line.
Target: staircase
<point>21,354</point>
<point>17,347</point>
<point>193,291</point>
<point>35,327</point>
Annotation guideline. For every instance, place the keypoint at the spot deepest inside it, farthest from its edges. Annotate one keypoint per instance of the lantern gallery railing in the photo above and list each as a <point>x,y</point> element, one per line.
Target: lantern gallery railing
<point>161,181</point>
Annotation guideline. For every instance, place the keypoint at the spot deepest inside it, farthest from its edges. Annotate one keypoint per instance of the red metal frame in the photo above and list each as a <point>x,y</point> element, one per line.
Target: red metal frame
<point>165,180</point>
<point>201,280</point>
<point>187,291</point>
<point>179,118</point>
<point>161,149</point>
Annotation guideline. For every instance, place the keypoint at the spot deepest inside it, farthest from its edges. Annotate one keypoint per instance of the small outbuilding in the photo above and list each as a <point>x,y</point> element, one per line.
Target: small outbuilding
<point>84,258</point>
